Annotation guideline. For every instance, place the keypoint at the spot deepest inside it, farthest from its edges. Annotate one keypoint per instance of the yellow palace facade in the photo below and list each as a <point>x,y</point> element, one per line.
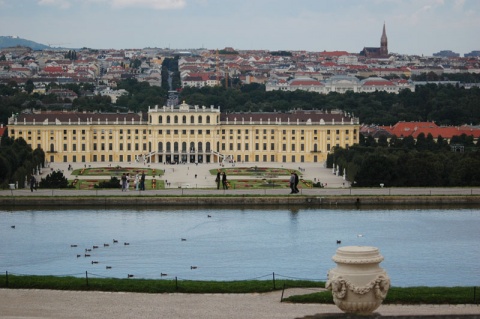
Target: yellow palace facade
<point>186,134</point>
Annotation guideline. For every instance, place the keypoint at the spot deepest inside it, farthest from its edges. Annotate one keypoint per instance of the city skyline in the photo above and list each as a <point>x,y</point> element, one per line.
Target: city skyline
<point>413,27</point>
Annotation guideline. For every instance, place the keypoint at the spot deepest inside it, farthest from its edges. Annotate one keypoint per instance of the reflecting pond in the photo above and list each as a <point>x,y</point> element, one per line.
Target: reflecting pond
<point>435,247</point>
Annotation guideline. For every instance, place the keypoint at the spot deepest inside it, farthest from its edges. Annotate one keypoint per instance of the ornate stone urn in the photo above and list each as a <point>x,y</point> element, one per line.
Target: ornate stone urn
<point>358,284</point>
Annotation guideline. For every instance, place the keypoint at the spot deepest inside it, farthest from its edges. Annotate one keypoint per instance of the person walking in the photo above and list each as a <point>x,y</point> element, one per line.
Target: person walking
<point>218,179</point>
<point>296,183</point>
<point>33,182</point>
<point>136,182</point>
<point>292,183</point>
<point>124,182</point>
<point>224,181</point>
<point>142,181</point>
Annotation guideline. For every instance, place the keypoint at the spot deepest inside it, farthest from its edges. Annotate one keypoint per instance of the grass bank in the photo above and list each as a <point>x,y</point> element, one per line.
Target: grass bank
<point>168,285</point>
<point>408,295</point>
<point>396,295</point>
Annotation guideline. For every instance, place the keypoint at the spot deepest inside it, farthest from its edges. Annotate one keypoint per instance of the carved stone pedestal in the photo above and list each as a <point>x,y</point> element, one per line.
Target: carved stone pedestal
<point>358,284</point>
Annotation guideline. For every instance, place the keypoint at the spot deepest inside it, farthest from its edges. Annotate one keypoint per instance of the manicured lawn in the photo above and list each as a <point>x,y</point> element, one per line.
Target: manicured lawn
<point>407,295</point>
<point>262,177</point>
<point>116,171</point>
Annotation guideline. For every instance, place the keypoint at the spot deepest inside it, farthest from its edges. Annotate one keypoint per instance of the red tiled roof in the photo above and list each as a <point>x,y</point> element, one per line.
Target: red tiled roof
<point>329,63</point>
<point>334,53</point>
<point>404,129</point>
<point>53,69</point>
<point>356,67</point>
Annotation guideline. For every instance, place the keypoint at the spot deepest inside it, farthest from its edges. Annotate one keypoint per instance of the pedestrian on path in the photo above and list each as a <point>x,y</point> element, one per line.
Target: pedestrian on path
<point>296,183</point>
<point>33,182</point>
<point>142,181</point>
<point>124,182</point>
<point>136,182</point>
<point>218,179</point>
<point>292,183</point>
<point>224,181</point>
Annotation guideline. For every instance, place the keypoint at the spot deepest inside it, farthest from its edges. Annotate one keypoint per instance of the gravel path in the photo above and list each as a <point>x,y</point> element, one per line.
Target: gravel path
<point>20,303</point>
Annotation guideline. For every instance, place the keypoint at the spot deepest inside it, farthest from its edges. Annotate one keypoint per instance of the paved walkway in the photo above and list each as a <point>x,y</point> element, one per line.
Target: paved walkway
<point>192,179</point>
<point>198,176</point>
<point>77,304</point>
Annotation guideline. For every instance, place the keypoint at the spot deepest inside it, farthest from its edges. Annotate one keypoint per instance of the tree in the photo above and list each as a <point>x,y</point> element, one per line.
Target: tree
<point>375,169</point>
<point>467,172</point>
<point>135,64</point>
<point>382,141</point>
<point>29,86</point>
<point>114,182</point>
<point>55,179</point>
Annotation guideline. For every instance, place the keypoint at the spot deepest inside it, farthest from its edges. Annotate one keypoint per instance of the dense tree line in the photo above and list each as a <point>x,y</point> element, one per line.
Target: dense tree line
<point>409,163</point>
<point>170,69</point>
<point>17,161</point>
<point>444,104</point>
<point>140,95</point>
<point>71,55</point>
<point>460,77</point>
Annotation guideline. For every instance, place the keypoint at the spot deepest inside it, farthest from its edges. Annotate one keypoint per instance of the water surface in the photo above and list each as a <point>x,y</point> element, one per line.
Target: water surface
<point>435,247</point>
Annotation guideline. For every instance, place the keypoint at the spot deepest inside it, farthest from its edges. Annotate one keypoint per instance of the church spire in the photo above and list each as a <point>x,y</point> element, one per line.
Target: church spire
<point>384,42</point>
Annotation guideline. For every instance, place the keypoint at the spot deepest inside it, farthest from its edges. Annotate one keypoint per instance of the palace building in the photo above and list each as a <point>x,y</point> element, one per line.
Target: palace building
<point>186,134</point>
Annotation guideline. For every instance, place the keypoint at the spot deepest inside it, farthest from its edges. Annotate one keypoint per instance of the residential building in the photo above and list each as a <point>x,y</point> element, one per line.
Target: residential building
<point>447,53</point>
<point>340,84</point>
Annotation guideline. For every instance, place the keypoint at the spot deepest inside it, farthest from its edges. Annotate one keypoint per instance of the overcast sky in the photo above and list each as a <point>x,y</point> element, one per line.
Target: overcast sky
<point>413,26</point>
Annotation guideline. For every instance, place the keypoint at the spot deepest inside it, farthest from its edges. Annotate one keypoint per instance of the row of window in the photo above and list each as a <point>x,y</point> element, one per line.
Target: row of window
<point>175,119</point>
<point>264,147</point>
<point>128,158</point>
<point>192,147</point>
<point>137,131</point>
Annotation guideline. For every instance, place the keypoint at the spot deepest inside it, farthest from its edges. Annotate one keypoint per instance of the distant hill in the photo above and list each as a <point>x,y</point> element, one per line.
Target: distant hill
<point>9,41</point>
